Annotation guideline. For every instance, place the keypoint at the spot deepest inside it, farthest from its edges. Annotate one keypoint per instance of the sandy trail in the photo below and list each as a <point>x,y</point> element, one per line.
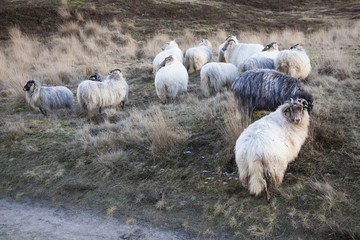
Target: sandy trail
<point>25,221</point>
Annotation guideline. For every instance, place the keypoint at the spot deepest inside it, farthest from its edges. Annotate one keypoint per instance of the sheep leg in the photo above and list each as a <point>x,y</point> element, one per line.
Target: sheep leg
<point>99,110</point>
<point>43,111</point>
<point>268,188</point>
<point>122,104</point>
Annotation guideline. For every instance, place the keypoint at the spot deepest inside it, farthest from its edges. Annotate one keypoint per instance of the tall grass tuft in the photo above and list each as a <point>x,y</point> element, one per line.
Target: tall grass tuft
<point>163,133</point>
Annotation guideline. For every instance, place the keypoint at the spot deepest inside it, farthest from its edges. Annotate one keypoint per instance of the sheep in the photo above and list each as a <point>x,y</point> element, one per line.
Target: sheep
<point>266,89</point>
<point>197,57</point>
<point>256,63</point>
<point>270,51</point>
<point>221,57</point>
<point>112,91</point>
<point>96,77</point>
<point>216,75</point>
<point>294,62</point>
<point>236,53</point>
<point>47,98</point>
<point>266,147</point>
<point>170,48</point>
<point>171,79</point>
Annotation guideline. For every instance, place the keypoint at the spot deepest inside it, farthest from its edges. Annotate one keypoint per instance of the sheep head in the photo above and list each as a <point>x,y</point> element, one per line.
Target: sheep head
<point>228,44</point>
<point>270,47</point>
<point>205,42</point>
<point>115,74</point>
<point>297,47</point>
<point>95,77</point>
<point>167,60</point>
<point>294,110</point>
<point>169,45</point>
<point>30,84</point>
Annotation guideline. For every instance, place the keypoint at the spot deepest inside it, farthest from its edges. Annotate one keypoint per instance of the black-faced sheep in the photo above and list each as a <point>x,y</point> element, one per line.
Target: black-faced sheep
<point>112,91</point>
<point>266,147</point>
<point>47,98</point>
<point>169,49</point>
<point>215,75</point>
<point>236,53</point>
<point>96,77</point>
<point>171,79</point>
<point>197,57</point>
<point>294,62</point>
<point>270,51</point>
<point>266,89</point>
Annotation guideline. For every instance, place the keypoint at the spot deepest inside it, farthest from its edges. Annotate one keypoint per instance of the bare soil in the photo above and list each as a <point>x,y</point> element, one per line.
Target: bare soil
<point>29,221</point>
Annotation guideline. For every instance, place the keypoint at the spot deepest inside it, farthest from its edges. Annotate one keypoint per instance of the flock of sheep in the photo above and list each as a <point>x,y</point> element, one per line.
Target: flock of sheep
<point>261,78</point>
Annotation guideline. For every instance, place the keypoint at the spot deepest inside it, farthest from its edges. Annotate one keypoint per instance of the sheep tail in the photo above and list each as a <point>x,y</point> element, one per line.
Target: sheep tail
<point>256,180</point>
<point>205,85</point>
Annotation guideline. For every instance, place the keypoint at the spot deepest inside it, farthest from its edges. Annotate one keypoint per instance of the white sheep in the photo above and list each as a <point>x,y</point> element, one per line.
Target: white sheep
<point>236,53</point>
<point>266,147</point>
<point>221,57</point>
<point>112,91</point>
<point>169,49</point>
<point>197,57</point>
<point>294,62</point>
<point>171,79</point>
<point>47,98</point>
<point>215,75</point>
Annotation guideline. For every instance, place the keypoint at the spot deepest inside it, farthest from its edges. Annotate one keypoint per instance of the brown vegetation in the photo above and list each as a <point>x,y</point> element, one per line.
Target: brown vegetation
<point>184,148</point>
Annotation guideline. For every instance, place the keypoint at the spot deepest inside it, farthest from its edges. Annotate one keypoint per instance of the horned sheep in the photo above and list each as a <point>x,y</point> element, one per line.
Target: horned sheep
<point>266,89</point>
<point>221,57</point>
<point>236,53</point>
<point>171,79</point>
<point>47,98</point>
<point>215,75</point>
<point>266,147</point>
<point>197,57</point>
<point>169,49</point>
<point>112,91</point>
<point>294,62</point>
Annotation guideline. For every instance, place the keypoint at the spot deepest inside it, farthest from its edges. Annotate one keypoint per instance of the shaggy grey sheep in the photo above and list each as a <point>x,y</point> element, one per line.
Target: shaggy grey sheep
<point>47,98</point>
<point>112,91</point>
<point>256,63</point>
<point>171,79</point>
<point>266,89</point>
<point>266,147</point>
<point>215,75</point>
<point>294,62</point>
<point>197,57</point>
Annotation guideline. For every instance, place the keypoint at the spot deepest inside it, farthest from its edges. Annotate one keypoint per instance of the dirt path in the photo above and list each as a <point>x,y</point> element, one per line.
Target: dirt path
<point>25,221</point>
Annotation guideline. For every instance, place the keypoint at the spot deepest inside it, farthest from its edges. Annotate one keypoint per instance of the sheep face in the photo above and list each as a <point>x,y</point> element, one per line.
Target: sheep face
<point>270,47</point>
<point>297,47</point>
<point>95,77</point>
<point>205,42</point>
<point>166,61</point>
<point>30,85</point>
<point>168,45</point>
<point>294,111</point>
<point>228,44</point>
<point>115,70</point>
